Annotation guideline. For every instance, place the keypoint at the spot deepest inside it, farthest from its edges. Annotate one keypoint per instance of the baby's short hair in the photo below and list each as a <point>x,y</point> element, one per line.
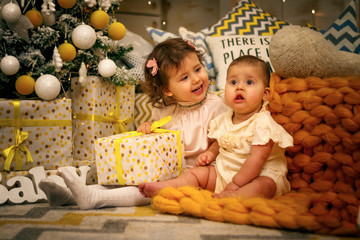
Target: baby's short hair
<point>254,61</point>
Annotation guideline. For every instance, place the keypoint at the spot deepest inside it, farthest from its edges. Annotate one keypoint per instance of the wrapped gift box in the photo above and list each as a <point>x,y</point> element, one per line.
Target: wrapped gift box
<point>91,176</point>
<point>100,109</point>
<point>132,158</point>
<point>35,133</point>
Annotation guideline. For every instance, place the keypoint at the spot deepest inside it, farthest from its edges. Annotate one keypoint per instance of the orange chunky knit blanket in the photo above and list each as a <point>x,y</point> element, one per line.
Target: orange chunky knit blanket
<point>323,116</point>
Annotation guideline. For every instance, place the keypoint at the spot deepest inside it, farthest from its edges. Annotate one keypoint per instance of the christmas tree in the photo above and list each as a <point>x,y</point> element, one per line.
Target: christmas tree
<point>60,38</point>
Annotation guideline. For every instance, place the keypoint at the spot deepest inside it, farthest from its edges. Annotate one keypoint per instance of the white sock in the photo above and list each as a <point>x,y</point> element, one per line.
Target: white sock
<point>56,195</point>
<point>91,198</point>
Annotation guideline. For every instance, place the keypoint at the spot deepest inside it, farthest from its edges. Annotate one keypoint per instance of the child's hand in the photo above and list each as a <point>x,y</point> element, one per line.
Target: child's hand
<point>204,159</point>
<point>145,127</point>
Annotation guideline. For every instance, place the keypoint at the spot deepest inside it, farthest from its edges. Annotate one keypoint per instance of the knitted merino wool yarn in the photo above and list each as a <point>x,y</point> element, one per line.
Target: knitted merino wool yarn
<point>323,116</point>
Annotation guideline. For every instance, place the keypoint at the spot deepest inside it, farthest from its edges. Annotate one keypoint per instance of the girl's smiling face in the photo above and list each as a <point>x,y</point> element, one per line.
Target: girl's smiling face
<point>189,83</point>
<point>245,90</point>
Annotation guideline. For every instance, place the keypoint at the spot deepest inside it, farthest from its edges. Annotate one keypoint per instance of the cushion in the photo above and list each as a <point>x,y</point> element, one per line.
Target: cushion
<point>308,25</point>
<point>227,48</point>
<point>141,46</point>
<point>245,19</point>
<point>200,44</point>
<point>158,36</point>
<point>135,63</point>
<point>142,109</point>
<point>343,33</point>
<point>135,59</point>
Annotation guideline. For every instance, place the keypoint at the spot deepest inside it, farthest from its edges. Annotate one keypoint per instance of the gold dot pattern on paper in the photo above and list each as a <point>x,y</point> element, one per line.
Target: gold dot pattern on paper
<point>50,147</point>
<point>97,98</point>
<point>145,158</point>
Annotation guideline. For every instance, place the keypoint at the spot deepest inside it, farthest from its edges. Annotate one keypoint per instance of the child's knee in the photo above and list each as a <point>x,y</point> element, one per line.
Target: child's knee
<point>203,175</point>
<point>269,185</point>
<point>272,187</point>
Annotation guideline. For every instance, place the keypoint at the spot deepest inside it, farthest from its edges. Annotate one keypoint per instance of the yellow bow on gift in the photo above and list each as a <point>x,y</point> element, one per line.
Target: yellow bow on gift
<point>120,125</point>
<point>160,123</point>
<point>14,151</point>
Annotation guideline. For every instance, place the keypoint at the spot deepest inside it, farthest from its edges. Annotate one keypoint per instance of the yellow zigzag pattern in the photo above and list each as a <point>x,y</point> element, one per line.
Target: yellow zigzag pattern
<point>76,218</point>
<point>142,109</point>
<point>256,20</point>
<point>273,28</point>
<point>232,19</point>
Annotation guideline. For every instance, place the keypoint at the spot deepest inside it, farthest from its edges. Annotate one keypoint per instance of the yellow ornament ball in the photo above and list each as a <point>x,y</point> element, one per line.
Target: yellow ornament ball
<point>66,3</point>
<point>35,17</point>
<point>67,51</point>
<point>25,85</point>
<point>99,19</point>
<point>116,31</point>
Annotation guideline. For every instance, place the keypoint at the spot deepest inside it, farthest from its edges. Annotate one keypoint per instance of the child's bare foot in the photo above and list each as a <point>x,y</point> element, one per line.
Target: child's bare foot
<point>151,189</point>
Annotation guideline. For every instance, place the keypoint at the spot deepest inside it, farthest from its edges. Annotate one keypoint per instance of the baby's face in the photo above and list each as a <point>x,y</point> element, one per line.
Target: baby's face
<point>245,89</point>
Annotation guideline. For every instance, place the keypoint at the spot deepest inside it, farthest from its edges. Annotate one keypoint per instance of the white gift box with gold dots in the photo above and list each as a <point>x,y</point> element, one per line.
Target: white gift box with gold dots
<point>100,109</point>
<point>35,133</point>
<point>132,158</point>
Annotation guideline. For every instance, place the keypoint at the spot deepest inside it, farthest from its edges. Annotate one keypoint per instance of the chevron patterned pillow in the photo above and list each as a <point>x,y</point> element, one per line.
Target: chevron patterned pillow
<point>142,109</point>
<point>245,19</point>
<point>343,33</point>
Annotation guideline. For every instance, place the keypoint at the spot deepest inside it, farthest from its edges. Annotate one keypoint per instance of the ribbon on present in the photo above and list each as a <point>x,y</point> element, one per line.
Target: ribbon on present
<point>13,152</point>
<point>120,125</point>
<point>155,128</point>
<point>114,117</point>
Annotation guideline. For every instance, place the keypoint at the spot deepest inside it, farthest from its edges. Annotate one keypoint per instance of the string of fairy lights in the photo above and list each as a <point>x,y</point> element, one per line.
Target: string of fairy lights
<point>313,10</point>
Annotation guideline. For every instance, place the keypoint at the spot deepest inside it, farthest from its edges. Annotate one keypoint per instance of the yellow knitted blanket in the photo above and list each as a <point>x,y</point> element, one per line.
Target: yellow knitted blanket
<point>323,116</point>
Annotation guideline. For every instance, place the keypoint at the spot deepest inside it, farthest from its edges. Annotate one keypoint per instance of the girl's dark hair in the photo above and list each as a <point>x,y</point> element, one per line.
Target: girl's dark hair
<point>254,61</point>
<point>168,54</point>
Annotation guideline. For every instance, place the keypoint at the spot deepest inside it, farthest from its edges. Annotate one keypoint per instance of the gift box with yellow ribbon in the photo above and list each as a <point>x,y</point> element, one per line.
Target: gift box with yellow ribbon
<point>132,158</point>
<point>35,133</point>
<point>100,109</point>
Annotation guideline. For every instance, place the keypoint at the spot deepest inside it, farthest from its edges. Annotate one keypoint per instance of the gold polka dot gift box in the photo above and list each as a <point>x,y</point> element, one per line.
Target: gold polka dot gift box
<point>100,109</point>
<point>132,158</point>
<point>35,133</point>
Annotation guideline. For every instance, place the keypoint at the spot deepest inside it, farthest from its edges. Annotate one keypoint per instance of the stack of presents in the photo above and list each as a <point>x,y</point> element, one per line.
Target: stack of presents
<point>93,127</point>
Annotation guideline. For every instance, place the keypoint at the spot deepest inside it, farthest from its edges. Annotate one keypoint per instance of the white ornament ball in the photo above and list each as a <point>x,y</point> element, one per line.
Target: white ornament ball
<point>83,36</point>
<point>47,87</point>
<point>11,12</point>
<point>107,67</point>
<point>10,65</point>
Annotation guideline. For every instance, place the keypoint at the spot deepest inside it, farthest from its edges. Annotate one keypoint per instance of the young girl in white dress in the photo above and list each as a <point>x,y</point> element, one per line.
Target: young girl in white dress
<point>249,147</point>
<point>177,84</point>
